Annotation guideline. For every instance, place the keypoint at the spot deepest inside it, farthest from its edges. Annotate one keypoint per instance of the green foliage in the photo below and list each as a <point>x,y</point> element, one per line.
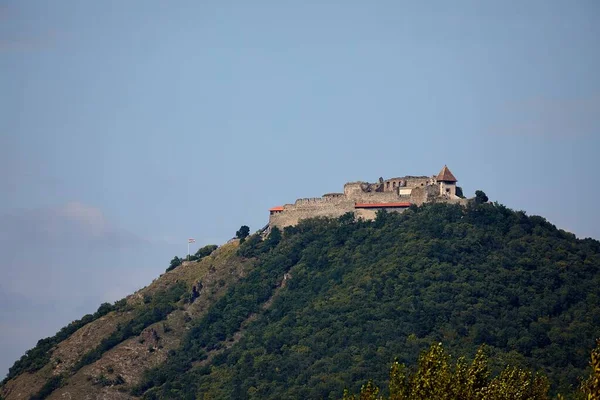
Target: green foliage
<point>436,378</point>
<point>253,247</point>
<point>51,385</point>
<point>274,237</point>
<point>120,305</point>
<point>591,386</point>
<point>175,262</point>
<point>200,254</point>
<point>157,309</point>
<point>34,359</point>
<point>361,293</point>
<point>205,251</point>
<point>480,197</point>
<point>364,292</point>
<point>242,233</point>
<point>224,317</point>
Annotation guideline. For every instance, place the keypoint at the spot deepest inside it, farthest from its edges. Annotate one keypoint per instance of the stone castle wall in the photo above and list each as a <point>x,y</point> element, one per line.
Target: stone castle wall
<point>333,206</point>
<point>393,184</point>
<point>310,208</point>
<point>422,190</point>
<point>353,191</point>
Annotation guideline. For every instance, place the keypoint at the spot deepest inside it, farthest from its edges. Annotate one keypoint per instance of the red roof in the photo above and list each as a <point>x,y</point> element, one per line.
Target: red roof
<point>445,175</point>
<point>381,205</point>
<point>278,208</point>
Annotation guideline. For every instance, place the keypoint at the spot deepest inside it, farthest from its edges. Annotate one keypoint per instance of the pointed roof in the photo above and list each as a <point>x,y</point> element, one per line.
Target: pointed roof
<point>445,175</point>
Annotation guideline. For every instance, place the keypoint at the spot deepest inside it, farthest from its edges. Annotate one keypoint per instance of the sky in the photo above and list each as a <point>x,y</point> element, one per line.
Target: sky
<point>128,127</point>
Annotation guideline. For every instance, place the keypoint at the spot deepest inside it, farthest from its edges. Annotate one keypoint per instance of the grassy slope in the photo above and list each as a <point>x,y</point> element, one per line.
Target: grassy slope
<point>131,357</point>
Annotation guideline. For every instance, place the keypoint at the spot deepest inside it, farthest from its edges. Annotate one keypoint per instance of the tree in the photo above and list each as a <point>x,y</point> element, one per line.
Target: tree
<point>591,387</point>
<point>205,251</point>
<point>347,218</point>
<point>274,237</point>
<point>480,197</point>
<point>175,262</point>
<point>436,378</point>
<point>104,309</point>
<point>251,247</point>
<point>242,233</point>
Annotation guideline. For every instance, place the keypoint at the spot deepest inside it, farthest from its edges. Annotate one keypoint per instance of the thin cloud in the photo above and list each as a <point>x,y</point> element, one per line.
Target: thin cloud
<point>542,117</point>
<point>16,35</point>
<point>90,217</point>
<point>5,12</point>
<point>30,42</point>
<point>65,225</point>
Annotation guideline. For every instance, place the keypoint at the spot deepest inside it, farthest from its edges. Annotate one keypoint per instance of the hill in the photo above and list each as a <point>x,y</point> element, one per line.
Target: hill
<point>329,303</point>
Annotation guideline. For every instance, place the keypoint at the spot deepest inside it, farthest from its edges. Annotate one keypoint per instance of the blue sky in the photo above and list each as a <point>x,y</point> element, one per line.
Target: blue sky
<point>127,127</point>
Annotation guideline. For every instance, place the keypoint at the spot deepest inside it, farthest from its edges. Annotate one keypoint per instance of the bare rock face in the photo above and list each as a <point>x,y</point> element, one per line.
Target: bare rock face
<point>119,369</point>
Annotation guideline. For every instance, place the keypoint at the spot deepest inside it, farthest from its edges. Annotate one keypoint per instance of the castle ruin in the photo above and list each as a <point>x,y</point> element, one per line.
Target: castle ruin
<point>365,199</point>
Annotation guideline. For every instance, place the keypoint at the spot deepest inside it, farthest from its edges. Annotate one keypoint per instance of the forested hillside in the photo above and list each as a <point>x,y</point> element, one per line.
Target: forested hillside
<point>330,303</point>
<point>360,294</point>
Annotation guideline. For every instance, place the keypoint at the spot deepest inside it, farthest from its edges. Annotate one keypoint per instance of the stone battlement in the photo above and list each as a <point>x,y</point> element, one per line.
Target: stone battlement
<point>364,199</point>
<point>314,200</point>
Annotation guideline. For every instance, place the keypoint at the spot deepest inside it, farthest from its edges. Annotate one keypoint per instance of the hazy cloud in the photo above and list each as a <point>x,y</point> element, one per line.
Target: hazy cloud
<point>5,12</point>
<point>15,38</point>
<point>89,217</point>
<point>30,42</point>
<point>544,117</point>
<point>64,225</point>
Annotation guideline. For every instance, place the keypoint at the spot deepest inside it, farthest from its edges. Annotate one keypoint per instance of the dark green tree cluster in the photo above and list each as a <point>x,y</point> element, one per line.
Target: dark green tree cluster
<point>199,255</point>
<point>175,262</point>
<point>51,385</point>
<point>480,197</point>
<point>362,293</point>
<point>205,251</point>
<point>255,246</point>
<point>243,233</point>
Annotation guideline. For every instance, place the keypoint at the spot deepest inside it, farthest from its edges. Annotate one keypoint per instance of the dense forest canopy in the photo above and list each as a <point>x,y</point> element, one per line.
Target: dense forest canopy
<point>360,294</point>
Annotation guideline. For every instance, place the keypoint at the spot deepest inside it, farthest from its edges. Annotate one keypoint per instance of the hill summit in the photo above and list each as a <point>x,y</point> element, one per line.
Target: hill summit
<point>327,303</point>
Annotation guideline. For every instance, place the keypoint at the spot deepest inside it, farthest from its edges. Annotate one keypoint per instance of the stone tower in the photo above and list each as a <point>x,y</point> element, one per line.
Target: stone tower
<point>447,183</point>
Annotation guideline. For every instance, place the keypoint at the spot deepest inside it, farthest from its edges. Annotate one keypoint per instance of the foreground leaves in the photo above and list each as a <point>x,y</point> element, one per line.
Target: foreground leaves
<point>436,378</point>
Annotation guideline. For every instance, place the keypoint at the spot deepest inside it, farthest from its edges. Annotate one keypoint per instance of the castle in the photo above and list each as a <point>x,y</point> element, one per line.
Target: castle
<point>365,199</point>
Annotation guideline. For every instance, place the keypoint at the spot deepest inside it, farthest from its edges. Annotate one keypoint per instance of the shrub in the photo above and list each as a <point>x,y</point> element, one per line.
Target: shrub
<point>175,262</point>
<point>242,233</point>
<point>205,251</point>
<point>480,197</point>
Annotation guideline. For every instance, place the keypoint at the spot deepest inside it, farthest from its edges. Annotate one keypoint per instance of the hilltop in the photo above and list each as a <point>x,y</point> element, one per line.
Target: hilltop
<point>330,302</point>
